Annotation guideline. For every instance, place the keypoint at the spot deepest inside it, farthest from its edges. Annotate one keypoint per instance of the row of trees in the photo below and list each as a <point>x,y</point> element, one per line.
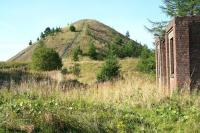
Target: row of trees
<point>48,31</point>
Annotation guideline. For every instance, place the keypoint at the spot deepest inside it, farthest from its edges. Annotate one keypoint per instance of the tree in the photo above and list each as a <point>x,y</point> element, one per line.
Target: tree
<point>109,70</point>
<point>127,34</point>
<point>47,31</point>
<point>118,40</point>
<point>46,59</point>
<point>92,51</point>
<point>174,8</point>
<point>30,43</point>
<point>76,52</point>
<point>42,36</point>
<point>147,61</point>
<point>72,28</point>
<point>181,7</point>
<point>157,28</point>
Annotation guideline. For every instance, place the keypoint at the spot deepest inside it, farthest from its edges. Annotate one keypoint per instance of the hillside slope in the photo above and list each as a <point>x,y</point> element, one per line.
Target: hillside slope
<point>65,41</point>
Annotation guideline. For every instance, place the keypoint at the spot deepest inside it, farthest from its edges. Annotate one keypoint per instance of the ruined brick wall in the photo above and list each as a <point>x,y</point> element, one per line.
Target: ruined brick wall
<point>181,68</point>
<point>188,51</point>
<point>160,63</point>
<point>194,51</point>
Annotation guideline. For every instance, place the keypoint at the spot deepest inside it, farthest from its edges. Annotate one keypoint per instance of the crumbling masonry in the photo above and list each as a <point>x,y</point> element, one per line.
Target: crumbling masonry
<point>178,55</point>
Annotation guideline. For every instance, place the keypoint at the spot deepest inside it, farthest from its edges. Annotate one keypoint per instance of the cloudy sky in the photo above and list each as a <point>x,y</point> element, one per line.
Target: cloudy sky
<point>24,20</point>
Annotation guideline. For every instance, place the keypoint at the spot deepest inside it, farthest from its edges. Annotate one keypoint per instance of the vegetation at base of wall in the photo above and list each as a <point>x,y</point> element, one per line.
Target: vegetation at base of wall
<point>45,59</point>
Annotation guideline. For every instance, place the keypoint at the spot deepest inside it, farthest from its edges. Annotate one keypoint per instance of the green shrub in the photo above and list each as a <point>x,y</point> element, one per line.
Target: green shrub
<point>30,42</point>
<point>46,59</point>
<point>110,70</point>
<point>64,71</point>
<point>72,28</point>
<point>75,69</point>
<point>118,40</point>
<point>76,52</point>
<point>92,51</point>
<point>147,61</point>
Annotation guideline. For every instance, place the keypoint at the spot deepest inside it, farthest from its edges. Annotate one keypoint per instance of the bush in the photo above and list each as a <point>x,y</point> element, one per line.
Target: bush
<point>64,71</point>
<point>46,59</point>
<point>76,69</point>
<point>147,61</point>
<point>72,28</point>
<point>110,70</point>
<point>131,49</point>
<point>118,40</point>
<point>30,43</point>
<point>92,51</point>
<point>76,52</point>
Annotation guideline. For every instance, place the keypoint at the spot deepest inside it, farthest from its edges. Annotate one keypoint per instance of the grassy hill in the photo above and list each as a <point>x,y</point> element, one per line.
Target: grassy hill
<point>65,41</point>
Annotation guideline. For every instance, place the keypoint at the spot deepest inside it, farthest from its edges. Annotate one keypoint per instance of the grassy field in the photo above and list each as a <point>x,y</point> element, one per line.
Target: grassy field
<point>130,104</point>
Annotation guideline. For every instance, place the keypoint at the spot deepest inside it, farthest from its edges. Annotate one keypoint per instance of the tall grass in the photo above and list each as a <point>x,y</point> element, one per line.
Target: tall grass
<point>132,104</point>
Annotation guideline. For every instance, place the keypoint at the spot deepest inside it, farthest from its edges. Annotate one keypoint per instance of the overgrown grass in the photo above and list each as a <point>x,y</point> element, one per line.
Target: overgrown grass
<point>130,104</point>
<point>13,65</point>
<point>133,104</point>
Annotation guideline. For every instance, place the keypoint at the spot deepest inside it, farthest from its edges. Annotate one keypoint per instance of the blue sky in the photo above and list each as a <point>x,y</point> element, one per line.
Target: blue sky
<point>24,20</point>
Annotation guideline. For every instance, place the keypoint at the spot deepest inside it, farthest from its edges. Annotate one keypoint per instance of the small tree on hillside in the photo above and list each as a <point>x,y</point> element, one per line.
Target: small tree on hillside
<point>47,31</point>
<point>42,36</point>
<point>110,70</point>
<point>30,43</point>
<point>127,34</point>
<point>76,52</point>
<point>92,51</point>
<point>118,40</point>
<point>46,59</point>
<point>72,28</point>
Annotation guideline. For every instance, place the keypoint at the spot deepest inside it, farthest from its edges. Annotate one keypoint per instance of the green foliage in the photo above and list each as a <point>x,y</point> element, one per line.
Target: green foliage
<point>72,28</point>
<point>30,43</point>
<point>64,71</point>
<point>76,52</point>
<point>53,113</point>
<point>42,36</point>
<point>131,49</point>
<point>157,28</point>
<point>48,31</point>
<point>181,7</point>
<point>147,61</point>
<point>13,65</point>
<point>118,40</point>
<point>127,34</point>
<point>75,69</point>
<point>92,51</point>
<point>109,70</point>
<point>46,59</point>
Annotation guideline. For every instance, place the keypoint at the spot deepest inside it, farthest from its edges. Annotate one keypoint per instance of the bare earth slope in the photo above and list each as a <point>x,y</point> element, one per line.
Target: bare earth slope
<point>64,42</point>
